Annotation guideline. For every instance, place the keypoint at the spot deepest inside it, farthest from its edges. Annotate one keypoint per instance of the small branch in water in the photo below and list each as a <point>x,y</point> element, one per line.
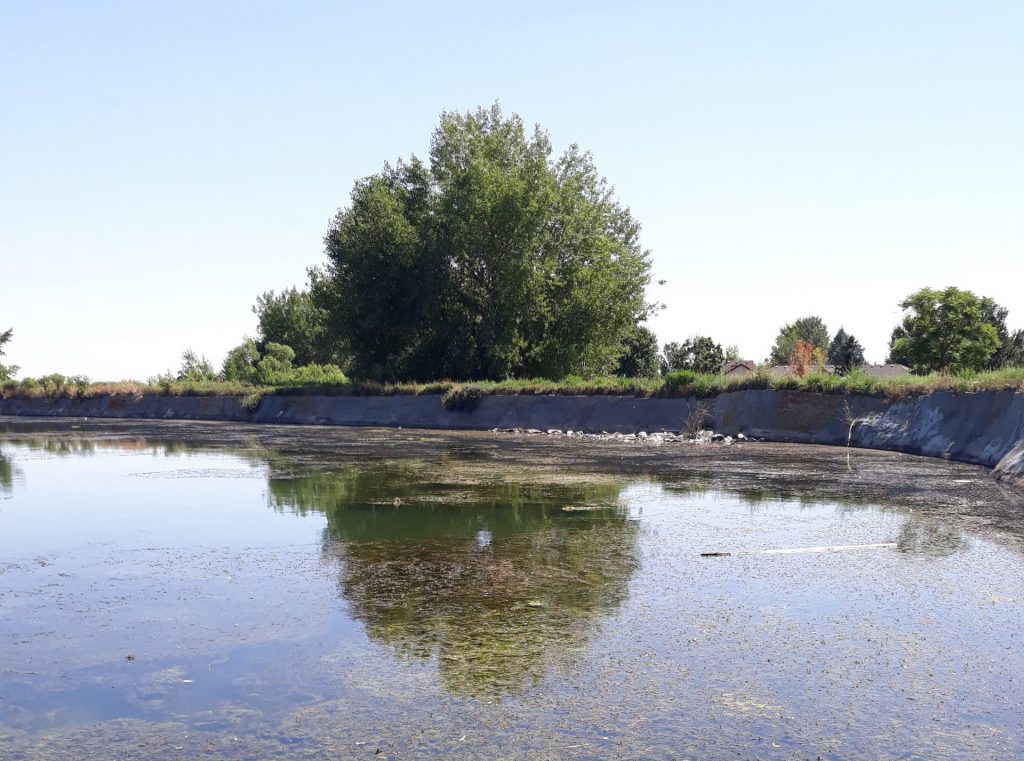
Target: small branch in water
<point>794,550</point>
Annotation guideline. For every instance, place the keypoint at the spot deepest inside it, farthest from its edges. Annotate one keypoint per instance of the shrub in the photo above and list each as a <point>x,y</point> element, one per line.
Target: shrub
<point>462,398</point>
<point>679,379</point>
<point>251,401</point>
<point>314,374</point>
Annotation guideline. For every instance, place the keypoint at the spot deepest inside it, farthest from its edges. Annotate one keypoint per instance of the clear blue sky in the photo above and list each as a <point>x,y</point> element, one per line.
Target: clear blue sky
<point>164,163</point>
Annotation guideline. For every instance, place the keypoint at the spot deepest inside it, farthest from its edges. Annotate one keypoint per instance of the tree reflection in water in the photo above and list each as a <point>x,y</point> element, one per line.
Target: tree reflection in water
<point>495,576</point>
<point>924,535</point>
<point>6,474</point>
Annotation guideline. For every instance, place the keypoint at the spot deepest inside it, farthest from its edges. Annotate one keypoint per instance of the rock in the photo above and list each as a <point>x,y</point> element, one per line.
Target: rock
<point>740,437</point>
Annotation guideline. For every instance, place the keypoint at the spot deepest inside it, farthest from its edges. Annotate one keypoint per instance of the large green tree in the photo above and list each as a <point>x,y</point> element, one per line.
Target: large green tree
<point>845,352</point>
<point>640,356</point>
<point>810,329</point>
<point>6,371</point>
<point>944,331</point>
<point>493,260</point>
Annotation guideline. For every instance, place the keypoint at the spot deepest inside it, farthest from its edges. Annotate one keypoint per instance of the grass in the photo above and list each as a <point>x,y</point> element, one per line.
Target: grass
<point>465,395</point>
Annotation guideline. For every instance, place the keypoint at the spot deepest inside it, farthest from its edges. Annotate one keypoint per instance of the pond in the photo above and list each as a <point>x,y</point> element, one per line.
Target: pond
<point>174,590</point>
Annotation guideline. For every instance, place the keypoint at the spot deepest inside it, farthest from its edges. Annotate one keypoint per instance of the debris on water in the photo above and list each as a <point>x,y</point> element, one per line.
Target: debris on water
<point>649,438</point>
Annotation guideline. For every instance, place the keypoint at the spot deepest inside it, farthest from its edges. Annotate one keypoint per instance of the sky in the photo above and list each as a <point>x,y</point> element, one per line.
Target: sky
<point>162,164</point>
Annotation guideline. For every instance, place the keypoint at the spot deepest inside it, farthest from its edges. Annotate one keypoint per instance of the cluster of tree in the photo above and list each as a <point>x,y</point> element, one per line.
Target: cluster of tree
<point>953,330</point>
<point>291,318</point>
<point>263,361</point>
<point>292,346</point>
<point>494,259</point>
<point>805,344</point>
<point>275,364</point>
<point>699,354</point>
<point>946,331</point>
<point>6,371</point>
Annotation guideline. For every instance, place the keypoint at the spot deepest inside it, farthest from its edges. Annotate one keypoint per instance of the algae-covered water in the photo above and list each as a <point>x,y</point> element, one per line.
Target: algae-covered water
<point>208,590</point>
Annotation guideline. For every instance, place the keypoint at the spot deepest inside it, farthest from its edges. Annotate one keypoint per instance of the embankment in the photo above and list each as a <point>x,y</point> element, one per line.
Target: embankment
<point>985,428</point>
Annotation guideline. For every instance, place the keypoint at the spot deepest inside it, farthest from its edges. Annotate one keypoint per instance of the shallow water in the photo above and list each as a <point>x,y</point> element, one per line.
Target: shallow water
<point>177,590</point>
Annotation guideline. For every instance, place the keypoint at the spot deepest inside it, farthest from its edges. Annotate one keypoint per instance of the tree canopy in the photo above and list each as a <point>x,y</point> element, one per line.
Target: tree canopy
<point>845,352</point>
<point>493,260</point>
<point>292,319</point>
<point>1011,352</point>
<point>195,367</point>
<point>6,371</point>
<point>809,329</point>
<point>699,354</point>
<point>945,331</point>
<point>1011,345</point>
<point>640,359</point>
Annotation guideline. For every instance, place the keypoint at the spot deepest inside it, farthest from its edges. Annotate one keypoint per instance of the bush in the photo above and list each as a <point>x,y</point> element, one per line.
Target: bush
<point>462,398</point>
<point>679,379</point>
<point>314,374</point>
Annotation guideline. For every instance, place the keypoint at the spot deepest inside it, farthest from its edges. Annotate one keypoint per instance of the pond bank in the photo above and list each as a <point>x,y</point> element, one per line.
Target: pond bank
<point>981,428</point>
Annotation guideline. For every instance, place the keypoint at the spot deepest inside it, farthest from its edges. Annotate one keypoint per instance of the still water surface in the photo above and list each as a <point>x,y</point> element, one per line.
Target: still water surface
<point>171,593</point>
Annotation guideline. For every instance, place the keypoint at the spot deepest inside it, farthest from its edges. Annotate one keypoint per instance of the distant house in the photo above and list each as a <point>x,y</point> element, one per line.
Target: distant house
<point>885,371</point>
<point>740,368</point>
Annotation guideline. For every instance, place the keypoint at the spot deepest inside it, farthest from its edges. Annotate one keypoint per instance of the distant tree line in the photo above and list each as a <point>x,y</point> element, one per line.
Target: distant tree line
<point>947,331</point>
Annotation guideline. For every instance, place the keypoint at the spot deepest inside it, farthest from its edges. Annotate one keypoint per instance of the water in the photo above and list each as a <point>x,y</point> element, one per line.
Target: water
<point>171,591</point>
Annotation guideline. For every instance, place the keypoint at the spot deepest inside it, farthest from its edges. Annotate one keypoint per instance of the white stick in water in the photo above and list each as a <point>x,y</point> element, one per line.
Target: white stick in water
<point>794,550</point>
